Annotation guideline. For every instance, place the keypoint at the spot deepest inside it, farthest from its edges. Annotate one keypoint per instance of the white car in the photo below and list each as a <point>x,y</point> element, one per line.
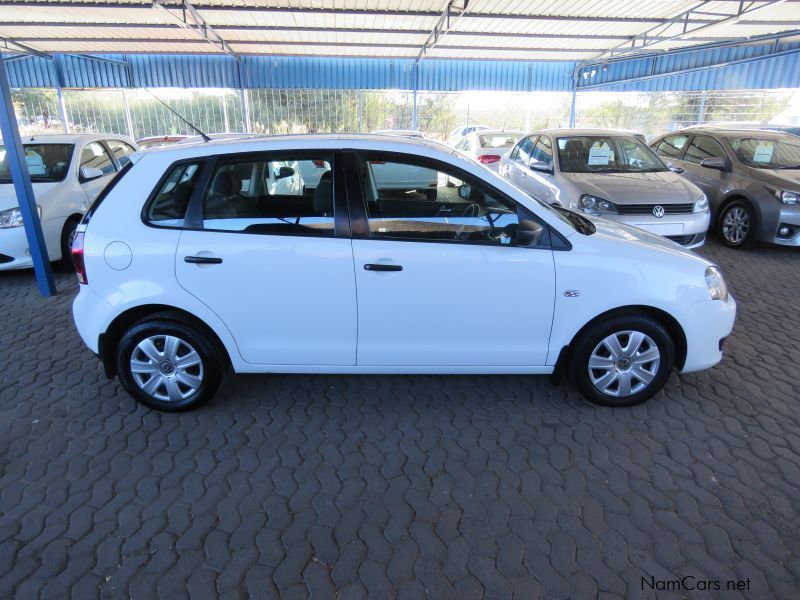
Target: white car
<point>488,146</point>
<point>179,281</point>
<point>460,132</point>
<point>609,173</point>
<point>394,177</point>
<point>67,173</point>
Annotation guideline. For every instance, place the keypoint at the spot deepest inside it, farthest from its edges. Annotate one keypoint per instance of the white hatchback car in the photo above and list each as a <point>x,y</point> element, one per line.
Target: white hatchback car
<point>489,146</point>
<point>67,173</point>
<point>180,280</point>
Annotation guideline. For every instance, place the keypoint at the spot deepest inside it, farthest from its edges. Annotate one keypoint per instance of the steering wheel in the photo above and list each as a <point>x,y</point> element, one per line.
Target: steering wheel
<point>473,210</point>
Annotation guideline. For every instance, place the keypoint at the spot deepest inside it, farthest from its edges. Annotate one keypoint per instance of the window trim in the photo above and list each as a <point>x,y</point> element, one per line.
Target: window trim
<point>358,203</point>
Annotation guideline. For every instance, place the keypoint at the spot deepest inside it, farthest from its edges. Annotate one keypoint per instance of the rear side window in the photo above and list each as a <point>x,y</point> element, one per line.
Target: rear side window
<point>169,204</point>
<point>279,195</point>
<point>672,146</point>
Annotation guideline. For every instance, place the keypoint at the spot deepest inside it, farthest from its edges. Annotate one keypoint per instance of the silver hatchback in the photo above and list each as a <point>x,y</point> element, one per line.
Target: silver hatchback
<point>612,174</point>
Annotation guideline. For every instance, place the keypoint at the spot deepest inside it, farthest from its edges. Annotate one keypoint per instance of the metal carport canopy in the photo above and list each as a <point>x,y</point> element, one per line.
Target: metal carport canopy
<point>579,33</point>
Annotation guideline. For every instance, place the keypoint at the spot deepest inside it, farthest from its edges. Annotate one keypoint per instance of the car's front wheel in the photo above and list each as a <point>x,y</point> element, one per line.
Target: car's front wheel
<point>622,360</point>
<point>736,224</point>
<point>168,365</point>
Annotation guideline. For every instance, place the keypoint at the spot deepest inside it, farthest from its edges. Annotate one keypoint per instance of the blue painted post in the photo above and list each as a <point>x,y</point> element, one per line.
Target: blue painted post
<point>575,76</point>
<point>15,159</point>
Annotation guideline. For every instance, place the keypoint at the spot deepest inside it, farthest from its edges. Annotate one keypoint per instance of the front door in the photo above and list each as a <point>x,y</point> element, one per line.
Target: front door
<point>711,181</point>
<point>95,156</point>
<point>443,283</point>
<point>269,262</point>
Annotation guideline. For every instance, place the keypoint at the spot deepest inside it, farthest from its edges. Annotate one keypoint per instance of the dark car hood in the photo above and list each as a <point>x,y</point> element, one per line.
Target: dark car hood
<point>661,187</point>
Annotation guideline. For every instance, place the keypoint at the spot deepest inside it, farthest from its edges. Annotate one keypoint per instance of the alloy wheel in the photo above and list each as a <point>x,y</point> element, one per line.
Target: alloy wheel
<point>166,368</point>
<point>735,225</point>
<point>624,363</point>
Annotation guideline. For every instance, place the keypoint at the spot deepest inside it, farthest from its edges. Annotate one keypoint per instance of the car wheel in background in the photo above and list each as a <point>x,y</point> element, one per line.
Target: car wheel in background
<point>736,224</point>
<point>67,233</point>
<point>622,360</point>
<point>168,365</point>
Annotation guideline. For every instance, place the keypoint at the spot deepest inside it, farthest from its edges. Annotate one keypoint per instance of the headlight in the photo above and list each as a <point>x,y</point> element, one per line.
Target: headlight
<point>12,217</point>
<point>716,284</point>
<point>596,205</point>
<point>700,204</point>
<point>784,196</point>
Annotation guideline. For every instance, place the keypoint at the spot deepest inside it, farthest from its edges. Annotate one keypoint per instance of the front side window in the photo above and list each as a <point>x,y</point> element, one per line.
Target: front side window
<point>543,151</point>
<point>703,147</point>
<point>94,156</point>
<point>672,146</point>
<point>120,150</point>
<point>46,162</point>
<point>606,154</point>
<point>525,150</point>
<point>270,195</point>
<point>779,152</point>
<point>399,206</point>
<point>169,203</point>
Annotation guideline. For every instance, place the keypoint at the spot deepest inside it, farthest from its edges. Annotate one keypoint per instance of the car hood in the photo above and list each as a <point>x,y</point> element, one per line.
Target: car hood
<point>782,178</point>
<point>662,187</point>
<point>8,195</point>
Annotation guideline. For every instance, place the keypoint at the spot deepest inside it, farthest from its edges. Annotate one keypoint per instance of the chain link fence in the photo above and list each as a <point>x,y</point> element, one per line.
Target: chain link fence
<point>141,113</point>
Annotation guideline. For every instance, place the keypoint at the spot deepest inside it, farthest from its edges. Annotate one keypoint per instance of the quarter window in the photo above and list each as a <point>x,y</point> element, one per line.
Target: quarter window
<point>672,146</point>
<point>168,207</point>
<point>95,156</point>
<point>408,201</point>
<point>702,147</point>
<point>273,195</point>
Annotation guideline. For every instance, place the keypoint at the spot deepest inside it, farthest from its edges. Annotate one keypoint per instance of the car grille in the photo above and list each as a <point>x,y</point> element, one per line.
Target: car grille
<point>647,209</point>
<point>5,259</point>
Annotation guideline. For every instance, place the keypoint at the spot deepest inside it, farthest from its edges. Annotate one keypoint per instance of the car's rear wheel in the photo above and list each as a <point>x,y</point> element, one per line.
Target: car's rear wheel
<point>168,365</point>
<point>736,224</point>
<point>622,360</point>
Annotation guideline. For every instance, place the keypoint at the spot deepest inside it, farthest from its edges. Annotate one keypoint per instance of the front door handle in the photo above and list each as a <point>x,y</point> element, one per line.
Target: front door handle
<point>379,267</point>
<point>202,260</point>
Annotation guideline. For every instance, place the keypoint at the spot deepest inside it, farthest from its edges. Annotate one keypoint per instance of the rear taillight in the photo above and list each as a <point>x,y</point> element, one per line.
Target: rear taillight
<point>77,258</point>
<point>320,164</point>
<point>488,158</point>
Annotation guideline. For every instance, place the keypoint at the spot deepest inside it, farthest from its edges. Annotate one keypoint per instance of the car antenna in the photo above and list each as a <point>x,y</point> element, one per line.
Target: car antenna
<point>177,114</point>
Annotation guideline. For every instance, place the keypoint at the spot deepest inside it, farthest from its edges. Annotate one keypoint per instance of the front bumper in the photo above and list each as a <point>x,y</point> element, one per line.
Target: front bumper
<point>688,229</point>
<point>706,324</point>
<point>14,246</point>
<point>789,218</point>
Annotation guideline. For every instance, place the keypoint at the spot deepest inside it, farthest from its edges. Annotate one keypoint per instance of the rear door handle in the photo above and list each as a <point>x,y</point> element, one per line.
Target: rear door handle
<point>202,260</point>
<point>378,267</point>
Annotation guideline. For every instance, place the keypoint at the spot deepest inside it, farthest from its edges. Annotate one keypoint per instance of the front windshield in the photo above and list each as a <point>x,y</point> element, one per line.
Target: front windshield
<point>779,152</point>
<point>606,154</point>
<point>46,162</point>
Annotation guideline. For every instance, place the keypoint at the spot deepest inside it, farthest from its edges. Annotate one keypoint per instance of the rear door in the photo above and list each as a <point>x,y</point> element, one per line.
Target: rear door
<point>274,263</point>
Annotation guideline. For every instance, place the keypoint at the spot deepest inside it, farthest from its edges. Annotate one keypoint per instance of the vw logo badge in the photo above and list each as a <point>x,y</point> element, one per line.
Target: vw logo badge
<point>658,211</point>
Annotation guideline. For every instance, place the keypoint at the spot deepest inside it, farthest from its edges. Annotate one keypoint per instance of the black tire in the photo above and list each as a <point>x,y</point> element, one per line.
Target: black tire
<point>210,372</point>
<point>726,231</point>
<point>591,338</point>
<point>431,194</point>
<point>66,242</point>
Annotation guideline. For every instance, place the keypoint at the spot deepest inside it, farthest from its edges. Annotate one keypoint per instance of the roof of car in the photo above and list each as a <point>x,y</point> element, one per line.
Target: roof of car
<point>731,130</point>
<point>567,131</point>
<point>72,138</point>
<point>297,141</point>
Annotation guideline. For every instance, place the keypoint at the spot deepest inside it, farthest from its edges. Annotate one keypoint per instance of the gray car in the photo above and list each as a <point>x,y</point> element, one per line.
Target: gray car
<point>613,174</point>
<point>751,179</point>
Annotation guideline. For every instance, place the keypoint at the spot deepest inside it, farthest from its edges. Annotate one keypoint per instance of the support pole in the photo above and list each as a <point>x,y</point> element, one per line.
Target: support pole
<point>128,119</point>
<point>17,166</point>
<point>415,77</point>
<point>575,76</point>
<point>62,105</point>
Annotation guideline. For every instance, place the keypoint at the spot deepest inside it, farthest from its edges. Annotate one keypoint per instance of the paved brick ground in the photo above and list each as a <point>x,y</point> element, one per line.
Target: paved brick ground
<point>454,487</point>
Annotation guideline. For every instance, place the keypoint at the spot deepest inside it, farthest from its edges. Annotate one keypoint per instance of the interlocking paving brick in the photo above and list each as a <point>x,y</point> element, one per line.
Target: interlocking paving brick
<point>295,486</point>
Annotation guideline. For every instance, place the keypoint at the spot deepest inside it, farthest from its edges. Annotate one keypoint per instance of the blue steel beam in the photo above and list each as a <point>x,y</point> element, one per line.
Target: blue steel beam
<point>15,159</point>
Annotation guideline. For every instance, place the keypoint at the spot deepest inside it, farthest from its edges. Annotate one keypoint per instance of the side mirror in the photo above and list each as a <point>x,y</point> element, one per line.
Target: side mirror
<point>529,233</point>
<point>464,191</point>
<point>89,173</point>
<point>284,172</point>
<point>675,169</point>
<point>539,165</point>
<point>718,162</point>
